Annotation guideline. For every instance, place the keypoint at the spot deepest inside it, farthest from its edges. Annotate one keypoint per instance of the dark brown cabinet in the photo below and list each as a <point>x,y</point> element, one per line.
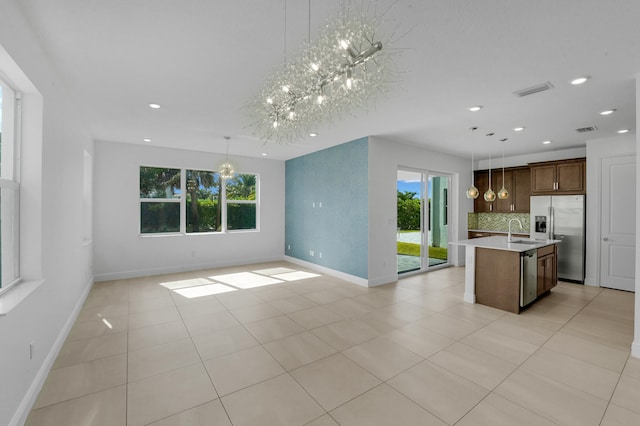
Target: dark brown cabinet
<point>558,177</point>
<point>517,182</point>
<point>482,183</point>
<point>547,269</point>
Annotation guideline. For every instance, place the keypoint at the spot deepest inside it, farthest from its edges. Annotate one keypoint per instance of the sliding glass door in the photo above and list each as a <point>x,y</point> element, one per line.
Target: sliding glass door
<point>423,219</point>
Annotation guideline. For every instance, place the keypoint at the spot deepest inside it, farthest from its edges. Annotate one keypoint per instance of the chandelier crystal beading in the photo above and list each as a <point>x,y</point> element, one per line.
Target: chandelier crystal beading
<point>337,74</point>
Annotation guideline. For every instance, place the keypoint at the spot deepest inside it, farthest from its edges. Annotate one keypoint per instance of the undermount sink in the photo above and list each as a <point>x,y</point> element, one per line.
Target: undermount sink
<point>525,242</point>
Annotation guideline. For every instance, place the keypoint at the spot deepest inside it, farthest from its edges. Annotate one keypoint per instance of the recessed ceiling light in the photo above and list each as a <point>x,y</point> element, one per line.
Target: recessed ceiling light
<point>623,131</point>
<point>264,154</point>
<point>154,106</point>
<point>546,142</point>
<point>580,80</point>
<point>475,108</point>
<point>147,139</point>
<point>518,129</point>
<point>608,111</point>
<point>313,134</point>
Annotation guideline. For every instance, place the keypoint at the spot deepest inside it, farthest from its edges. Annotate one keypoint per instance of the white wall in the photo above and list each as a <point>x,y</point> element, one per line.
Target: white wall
<point>56,262</point>
<point>523,160</point>
<point>598,149</point>
<point>384,159</point>
<point>121,252</point>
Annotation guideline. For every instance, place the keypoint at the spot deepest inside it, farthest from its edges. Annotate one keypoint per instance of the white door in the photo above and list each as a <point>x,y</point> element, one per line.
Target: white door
<point>618,228</point>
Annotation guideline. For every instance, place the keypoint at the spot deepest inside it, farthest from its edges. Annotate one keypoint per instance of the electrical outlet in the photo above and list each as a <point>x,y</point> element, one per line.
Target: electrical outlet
<point>313,204</point>
<point>320,254</point>
<point>31,350</point>
<point>311,253</point>
<point>320,204</point>
<point>288,246</point>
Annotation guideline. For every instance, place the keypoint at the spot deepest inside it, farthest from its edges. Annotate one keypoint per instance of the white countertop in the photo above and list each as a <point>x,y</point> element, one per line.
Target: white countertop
<point>500,243</point>
<point>500,232</point>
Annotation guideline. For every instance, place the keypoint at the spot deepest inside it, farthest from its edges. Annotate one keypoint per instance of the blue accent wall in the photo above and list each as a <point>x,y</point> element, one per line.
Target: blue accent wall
<point>327,208</point>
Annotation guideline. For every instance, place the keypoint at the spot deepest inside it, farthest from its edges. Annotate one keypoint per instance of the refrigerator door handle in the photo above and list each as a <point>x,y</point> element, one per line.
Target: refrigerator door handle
<point>550,228</point>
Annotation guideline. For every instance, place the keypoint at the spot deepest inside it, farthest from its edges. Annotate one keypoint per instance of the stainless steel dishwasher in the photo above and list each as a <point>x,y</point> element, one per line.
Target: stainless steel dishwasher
<point>528,277</point>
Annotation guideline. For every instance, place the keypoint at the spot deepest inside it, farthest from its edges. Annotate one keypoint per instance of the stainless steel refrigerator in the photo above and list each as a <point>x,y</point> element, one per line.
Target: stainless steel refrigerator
<point>562,217</point>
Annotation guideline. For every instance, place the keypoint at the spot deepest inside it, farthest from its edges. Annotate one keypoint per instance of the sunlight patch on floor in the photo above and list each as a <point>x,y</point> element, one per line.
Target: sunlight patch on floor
<point>204,290</point>
<point>244,280</point>
<point>173,285</point>
<point>294,276</point>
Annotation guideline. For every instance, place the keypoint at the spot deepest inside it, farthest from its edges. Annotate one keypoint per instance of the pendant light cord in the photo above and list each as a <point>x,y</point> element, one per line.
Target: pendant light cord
<point>285,33</point>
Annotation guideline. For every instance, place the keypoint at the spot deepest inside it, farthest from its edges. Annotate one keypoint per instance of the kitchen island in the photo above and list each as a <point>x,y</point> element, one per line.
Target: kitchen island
<point>508,275</point>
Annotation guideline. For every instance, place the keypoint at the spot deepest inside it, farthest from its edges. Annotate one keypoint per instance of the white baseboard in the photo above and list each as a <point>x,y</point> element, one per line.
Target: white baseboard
<point>588,281</point>
<point>469,298</point>
<point>342,275</point>
<point>21,414</point>
<point>635,349</point>
<point>179,268</point>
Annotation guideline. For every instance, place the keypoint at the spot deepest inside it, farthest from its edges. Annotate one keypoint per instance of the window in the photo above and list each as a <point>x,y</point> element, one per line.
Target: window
<point>209,203</point>
<point>241,202</point>
<point>9,187</point>
<point>203,201</point>
<point>159,200</point>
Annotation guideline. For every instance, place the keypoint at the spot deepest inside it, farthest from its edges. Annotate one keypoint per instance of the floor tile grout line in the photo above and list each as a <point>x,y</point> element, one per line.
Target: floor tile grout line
<point>521,366</point>
<point>491,391</point>
<point>379,335</point>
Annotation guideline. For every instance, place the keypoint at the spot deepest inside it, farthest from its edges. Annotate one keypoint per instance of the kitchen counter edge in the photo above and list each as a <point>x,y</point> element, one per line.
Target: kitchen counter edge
<point>500,243</point>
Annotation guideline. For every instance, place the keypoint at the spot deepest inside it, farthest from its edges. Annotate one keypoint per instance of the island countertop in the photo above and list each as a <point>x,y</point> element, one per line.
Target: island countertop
<point>501,243</point>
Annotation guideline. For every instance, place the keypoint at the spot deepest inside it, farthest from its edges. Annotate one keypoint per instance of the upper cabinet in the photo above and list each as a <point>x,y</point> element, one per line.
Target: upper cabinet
<point>517,181</point>
<point>558,177</point>
<point>482,183</point>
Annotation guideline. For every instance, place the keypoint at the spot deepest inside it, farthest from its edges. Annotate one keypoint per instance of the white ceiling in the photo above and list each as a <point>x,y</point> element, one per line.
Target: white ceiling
<point>203,61</point>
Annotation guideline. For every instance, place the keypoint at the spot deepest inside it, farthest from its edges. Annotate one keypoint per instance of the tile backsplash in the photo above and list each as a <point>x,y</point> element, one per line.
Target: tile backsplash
<point>497,221</point>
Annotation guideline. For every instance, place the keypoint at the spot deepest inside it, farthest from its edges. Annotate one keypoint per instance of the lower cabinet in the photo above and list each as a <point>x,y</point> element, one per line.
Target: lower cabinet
<point>547,269</point>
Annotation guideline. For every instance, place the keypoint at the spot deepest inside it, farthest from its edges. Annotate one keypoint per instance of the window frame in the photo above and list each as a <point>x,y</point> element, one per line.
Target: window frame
<point>182,199</point>
<point>179,200</point>
<point>12,182</point>
<point>257,204</point>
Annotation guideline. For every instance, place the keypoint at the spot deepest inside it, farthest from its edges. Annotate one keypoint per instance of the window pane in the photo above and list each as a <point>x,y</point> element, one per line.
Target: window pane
<point>241,187</point>
<point>9,235</point>
<point>203,201</point>
<point>159,217</point>
<point>241,216</point>
<point>157,182</point>
<point>7,117</point>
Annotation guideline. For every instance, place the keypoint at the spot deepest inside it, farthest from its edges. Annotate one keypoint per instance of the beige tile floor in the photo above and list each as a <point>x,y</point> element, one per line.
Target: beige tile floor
<point>274,344</point>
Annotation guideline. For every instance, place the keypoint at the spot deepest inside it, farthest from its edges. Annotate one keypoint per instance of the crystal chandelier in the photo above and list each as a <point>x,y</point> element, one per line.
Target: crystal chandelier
<point>338,73</point>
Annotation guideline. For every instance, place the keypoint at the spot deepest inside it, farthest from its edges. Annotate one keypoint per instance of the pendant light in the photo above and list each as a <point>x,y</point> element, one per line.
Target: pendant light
<point>503,194</point>
<point>472,192</point>
<point>490,195</point>
<point>226,169</point>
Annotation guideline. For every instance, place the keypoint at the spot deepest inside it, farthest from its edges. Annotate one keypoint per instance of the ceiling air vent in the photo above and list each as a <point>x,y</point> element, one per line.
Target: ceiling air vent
<point>534,89</point>
<point>587,129</point>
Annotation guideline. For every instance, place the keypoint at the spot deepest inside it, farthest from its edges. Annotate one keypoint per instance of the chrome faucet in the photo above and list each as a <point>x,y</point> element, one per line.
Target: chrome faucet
<point>510,237</point>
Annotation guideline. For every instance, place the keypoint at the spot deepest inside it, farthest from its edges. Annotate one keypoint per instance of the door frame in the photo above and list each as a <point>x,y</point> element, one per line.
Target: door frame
<point>425,216</point>
<point>604,238</point>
